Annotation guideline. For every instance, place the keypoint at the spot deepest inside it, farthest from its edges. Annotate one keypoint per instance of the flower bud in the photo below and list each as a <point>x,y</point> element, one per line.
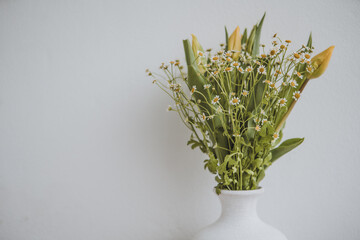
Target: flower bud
<point>234,42</point>
<point>320,63</point>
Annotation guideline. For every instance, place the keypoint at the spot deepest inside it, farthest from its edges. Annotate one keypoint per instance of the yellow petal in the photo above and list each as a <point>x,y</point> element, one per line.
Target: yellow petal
<point>234,42</point>
<point>320,62</point>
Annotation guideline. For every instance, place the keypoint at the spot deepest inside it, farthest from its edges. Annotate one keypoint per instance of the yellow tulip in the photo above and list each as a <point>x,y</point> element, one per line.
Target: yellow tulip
<point>234,42</point>
<point>197,49</point>
<point>320,63</point>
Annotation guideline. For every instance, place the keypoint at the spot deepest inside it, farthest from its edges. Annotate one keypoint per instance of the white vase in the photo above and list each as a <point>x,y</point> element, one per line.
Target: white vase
<point>239,219</point>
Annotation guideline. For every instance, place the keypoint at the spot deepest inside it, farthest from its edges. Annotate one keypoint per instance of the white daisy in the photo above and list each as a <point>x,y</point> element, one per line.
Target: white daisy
<point>299,75</point>
<point>282,102</point>
<point>249,69</point>
<point>235,64</point>
<point>203,117</point>
<point>296,95</point>
<point>240,69</point>
<point>201,54</point>
<point>245,93</point>
<point>264,121</point>
<point>257,128</point>
<point>207,86</point>
<point>228,69</point>
<point>215,100</point>
<point>193,89</point>
<point>293,83</point>
<point>215,58</point>
<point>261,69</point>
<point>275,136</point>
<point>235,101</point>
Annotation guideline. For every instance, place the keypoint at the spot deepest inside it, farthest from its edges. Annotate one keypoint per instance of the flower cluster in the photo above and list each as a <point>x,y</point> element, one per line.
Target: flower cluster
<point>237,100</point>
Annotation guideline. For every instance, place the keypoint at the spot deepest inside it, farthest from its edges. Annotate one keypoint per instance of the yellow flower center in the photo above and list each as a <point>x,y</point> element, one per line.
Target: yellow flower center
<point>228,69</point>
<point>272,52</point>
<point>272,85</point>
<point>292,84</point>
<point>307,56</point>
<point>282,101</point>
<point>245,93</point>
<point>299,74</point>
<point>215,58</point>
<point>236,64</point>
<point>261,70</point>
<point>263,55</point>
<point>235,100</point>
<point>276,135</point>
<point>216,99</point>
<point>296,55</point>
<point>297,95</point>
<point>282,46</point>
<point>288,41</point>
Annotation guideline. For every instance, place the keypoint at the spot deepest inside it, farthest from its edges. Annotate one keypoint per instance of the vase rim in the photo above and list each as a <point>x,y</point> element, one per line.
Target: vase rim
<point>242,192</point>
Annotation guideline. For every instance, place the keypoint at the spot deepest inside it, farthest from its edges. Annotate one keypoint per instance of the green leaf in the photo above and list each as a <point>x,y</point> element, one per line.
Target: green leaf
<point>309,43</point>
<point>260,176</point>
<point>226,39</point>
<point>244,37</point>
<point>256,46</point>
<point>285,147</point>
<point>189,54</point>
<point>250,40</point>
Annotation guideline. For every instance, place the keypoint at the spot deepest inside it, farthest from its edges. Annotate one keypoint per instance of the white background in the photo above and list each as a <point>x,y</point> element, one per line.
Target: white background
<point>87,150</point>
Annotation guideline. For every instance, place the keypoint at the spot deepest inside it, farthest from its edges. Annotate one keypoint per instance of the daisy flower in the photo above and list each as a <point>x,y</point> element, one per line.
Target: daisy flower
<point>215,58</point>
<point>257,128</point>
<point>193,90</point>
<point>249,69</point>
<point>235,64</point>
<point>261,69</point>
<point>236,135</point>
<point>272,85</point>
<point>228,69</point>
<point>228,54</point>
<point>293,83</point>
<point>201,54</point>
<point>299,75</point>
<point>309,69</point>
<point>228,59</point>
<point>273,52</point>
<point>264,121</point>
<point>203,117</point>
<point>245,93</point>
<point>256,120</point>
<point>215,100</point>
<point>240,69</point>
<point>296,95</point>
<point>282,102</point>
<point>275,136</point>
<point>235,101</point>
<point>207,86</point>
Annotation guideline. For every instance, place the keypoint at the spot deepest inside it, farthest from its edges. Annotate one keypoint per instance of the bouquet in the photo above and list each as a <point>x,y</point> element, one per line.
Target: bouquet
<point>235,101</point>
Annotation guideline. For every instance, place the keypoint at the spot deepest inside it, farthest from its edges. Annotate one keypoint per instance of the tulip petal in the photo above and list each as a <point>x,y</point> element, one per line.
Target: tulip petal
<point>320,62</point>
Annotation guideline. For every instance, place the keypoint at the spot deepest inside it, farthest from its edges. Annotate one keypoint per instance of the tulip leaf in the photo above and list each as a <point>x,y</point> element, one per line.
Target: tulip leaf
<point>244,37</point>
<point>256,46</point>
<point>285,147</point>
<point>309,43</point>
<point>226,39</point>
<point>250,40</point>
<point>189,54</point>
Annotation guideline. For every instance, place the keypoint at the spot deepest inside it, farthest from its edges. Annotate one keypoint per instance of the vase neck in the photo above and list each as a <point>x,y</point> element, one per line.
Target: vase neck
<point>239,204</point>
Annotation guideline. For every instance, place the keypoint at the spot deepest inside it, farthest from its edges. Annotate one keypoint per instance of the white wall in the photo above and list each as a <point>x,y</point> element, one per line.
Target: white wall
<point>87,150</point>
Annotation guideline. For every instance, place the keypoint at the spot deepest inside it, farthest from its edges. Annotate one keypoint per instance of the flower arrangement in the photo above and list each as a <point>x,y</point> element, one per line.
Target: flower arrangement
<point>238,101</point>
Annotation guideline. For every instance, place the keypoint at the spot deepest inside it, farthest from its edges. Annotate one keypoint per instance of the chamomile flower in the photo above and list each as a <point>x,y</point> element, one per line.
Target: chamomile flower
<point>273,52</point>
<point>207,86</point>
<point>296,95</point>
<point>249,69</point>
<point>235,64</point>
<point>307,56</point>
<point>275,136</point>
<point>215,100</point>
<point>215,58</point>
<point>201,54</point>
<point>228,54</point>
<point>267,81</point>
<point>228,69</point>
<point>261,69</point>
<point>299,75</point>
<point>257,120</point>
<point>203,117</point>
<point>241,70</point>
<point>296,55</point>
<point>236,135</point>
<point>257,128</point>
<point>309,69</point>
<point>272,85</point>
<point>293,83</point>
<point>228,59</point>
<point>257,62</point>
<point>282,102</point>
<point>245,93</point>
<point>234,169</point>
<point>235,101</point>
<point>264,121</point>
<point>169,108</point>
<point>193,89</point>
<point>263,56</point>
